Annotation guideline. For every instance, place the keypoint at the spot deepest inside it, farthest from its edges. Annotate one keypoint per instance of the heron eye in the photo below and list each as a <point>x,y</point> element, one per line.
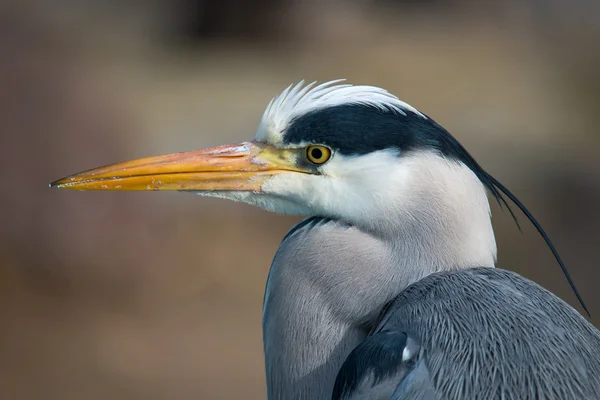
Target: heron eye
<point>318,154</point>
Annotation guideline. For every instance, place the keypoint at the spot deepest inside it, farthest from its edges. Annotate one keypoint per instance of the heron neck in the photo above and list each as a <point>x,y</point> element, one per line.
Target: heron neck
<point>327,284</point>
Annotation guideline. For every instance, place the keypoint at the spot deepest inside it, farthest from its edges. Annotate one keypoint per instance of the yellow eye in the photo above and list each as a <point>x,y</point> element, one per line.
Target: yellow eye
<point>318,154</point>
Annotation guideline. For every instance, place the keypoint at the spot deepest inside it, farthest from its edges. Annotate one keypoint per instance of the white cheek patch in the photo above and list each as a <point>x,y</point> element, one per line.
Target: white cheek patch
<point>295,187</point>
<point>357,186</point>
<point>364,184</point>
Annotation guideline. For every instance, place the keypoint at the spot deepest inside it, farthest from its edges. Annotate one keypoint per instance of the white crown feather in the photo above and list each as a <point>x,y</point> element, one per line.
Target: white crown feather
<point>297,100</point>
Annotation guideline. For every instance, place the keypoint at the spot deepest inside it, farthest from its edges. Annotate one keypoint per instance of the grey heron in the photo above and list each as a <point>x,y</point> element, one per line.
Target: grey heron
<point>388,288</point>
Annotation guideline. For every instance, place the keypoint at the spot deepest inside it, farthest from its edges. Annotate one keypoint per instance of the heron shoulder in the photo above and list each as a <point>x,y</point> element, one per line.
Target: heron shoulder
<point>488,333</point>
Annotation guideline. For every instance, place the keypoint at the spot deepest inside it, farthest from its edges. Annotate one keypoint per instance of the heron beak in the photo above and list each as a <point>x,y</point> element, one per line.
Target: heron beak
<point>240,167</point>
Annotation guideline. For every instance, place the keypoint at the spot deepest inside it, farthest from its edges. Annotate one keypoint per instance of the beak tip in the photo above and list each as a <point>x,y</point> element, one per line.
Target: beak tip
<point>60,183</point>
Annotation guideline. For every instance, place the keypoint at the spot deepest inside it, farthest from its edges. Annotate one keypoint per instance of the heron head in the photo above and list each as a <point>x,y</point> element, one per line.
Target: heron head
<point>351,152</point>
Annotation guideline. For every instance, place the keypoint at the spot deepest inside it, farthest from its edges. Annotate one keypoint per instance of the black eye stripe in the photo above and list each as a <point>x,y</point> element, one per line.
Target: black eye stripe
<point>353,129</point>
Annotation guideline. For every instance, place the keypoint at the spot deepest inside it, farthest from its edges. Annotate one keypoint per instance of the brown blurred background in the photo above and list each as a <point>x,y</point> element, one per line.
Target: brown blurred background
<point>158,295</point>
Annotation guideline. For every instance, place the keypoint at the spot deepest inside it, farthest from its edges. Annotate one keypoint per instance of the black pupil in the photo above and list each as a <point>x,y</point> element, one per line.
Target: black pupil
<point>316,153</point>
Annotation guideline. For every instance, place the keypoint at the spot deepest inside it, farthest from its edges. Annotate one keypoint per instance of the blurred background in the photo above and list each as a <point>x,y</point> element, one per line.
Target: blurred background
<point>158,295</point>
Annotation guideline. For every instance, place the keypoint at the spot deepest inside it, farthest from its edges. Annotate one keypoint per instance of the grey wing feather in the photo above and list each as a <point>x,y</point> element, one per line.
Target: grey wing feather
<point>491,334</point>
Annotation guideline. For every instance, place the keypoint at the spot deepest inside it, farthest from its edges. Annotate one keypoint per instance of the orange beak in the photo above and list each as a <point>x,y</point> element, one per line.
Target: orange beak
<point>240,167</point>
